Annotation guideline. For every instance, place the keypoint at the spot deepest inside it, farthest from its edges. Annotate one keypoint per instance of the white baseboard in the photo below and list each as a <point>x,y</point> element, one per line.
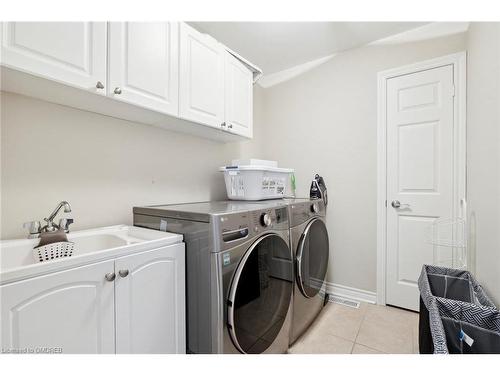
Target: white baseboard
<point>351,293</point>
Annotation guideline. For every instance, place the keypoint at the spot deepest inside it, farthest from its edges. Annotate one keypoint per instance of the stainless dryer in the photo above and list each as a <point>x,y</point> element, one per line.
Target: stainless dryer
<point>239,270</point>
<point>310,246</point>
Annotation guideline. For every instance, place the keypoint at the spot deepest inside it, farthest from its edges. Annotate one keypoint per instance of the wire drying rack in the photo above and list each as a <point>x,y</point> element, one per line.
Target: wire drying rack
<point>449,240</point>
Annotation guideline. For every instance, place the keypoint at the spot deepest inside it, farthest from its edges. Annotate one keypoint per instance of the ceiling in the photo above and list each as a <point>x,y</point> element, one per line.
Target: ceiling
<point>275,46</point>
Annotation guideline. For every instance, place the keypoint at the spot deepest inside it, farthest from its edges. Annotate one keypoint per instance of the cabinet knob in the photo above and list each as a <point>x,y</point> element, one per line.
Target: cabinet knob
<point>99,85</point>
<point>117,91</point>
<point>123,273</point>
<point>223,125</point>
<point>110,276</point>
<point>230,126</point>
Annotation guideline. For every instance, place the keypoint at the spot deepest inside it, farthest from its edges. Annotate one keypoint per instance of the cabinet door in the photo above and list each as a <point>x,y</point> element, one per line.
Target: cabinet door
<point>201,81</point>
<point>72,310</point>
<point>150,302</point>
<point>73,53</point>
<point>238,96</point>
<point>143,64</point>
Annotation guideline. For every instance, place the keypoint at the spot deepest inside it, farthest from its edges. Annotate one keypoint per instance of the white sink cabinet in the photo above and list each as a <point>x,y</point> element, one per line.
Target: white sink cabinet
<point>123,291</point>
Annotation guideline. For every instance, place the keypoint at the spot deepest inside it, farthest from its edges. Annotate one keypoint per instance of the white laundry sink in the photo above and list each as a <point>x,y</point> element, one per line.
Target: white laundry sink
<point>17,261</point>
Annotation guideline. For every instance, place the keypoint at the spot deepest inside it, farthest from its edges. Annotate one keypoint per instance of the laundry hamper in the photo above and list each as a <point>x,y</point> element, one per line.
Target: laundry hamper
<point>456,315</point>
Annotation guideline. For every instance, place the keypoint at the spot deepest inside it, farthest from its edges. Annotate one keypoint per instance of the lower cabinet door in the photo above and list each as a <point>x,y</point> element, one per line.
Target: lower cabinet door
<point>65,312</point>
<point>150,302</point>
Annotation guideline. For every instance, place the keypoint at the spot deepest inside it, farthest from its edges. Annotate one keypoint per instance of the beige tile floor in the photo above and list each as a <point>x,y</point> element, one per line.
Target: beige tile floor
<point>371,329</point>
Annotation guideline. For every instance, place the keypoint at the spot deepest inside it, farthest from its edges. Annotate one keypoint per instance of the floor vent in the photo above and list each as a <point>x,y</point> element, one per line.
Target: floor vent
<point>344,301</point>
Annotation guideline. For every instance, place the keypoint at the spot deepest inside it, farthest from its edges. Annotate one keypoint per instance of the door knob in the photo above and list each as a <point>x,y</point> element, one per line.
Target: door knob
<point>110,276</point>
<point>117,91</point>
<point>398,204</point>
<point>123,273</point>
<point>99,85</point>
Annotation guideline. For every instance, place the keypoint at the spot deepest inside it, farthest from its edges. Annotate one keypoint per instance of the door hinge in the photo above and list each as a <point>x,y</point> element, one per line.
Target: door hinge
<point>453,90</point>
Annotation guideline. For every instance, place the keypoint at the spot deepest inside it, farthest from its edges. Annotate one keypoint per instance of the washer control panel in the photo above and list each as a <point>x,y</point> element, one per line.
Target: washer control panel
<point>265,220</point>
<point>281,215</point>
<point>242,226</point>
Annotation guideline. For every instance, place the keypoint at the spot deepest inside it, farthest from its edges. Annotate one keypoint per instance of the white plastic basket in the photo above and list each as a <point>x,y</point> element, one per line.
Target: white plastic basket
<point>257,182</point>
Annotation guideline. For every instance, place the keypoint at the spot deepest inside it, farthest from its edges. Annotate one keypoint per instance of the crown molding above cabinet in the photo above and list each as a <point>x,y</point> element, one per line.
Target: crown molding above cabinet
<point>165,74</point>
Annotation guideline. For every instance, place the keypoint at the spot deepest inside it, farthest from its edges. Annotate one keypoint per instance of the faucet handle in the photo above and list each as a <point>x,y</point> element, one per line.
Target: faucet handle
<point>65,223</point>
<point>50,226</point>
<point>34,228</point>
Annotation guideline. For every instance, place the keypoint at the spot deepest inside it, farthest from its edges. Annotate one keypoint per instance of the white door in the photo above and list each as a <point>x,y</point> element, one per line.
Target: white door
<point>144,63</point>
<point>72,310</point>
<point>238,96</point>
<point>201,81</point>
<point>150,302</point>
<point>73,53</point>
<point>420,179</point>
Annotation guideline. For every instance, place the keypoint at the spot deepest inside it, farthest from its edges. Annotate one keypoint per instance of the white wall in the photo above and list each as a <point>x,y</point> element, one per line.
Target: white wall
<point>325,121</point>
<point>101,165</point>
<point>483,152</point>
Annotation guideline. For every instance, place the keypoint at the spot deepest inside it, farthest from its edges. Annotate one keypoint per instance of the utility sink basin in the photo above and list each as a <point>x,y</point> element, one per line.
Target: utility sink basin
<point>17,261</point>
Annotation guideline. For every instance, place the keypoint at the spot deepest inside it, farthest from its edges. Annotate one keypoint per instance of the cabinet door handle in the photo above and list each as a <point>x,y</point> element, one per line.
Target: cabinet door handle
<point>110,276</point>
<point>99,85</point>
<point>117,91</point>
<point>123,273</point>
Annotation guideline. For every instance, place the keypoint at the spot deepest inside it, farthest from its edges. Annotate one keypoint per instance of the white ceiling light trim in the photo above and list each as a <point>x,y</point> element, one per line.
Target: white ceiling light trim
<point>429,31</point>
<point>272,79</point>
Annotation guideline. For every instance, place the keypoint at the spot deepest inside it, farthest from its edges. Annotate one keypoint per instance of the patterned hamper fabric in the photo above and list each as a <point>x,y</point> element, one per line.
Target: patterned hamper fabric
<point>462,318</point>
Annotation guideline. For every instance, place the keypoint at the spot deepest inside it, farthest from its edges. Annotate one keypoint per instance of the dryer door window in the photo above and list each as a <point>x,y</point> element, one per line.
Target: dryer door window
<point>312,258</point>
<point>260,294</point>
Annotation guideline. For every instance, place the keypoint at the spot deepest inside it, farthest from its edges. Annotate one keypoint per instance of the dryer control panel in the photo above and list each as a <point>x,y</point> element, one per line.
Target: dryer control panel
<point>302,211</point>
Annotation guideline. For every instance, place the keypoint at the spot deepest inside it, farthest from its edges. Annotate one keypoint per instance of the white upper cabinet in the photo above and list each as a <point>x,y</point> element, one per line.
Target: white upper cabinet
<point>201,81</point>
<point>238,96</point>
<point>154,72</point>
<point>144,63</point>
<point>73,53</point>
<point>150,304</point>
<point>72,310</point>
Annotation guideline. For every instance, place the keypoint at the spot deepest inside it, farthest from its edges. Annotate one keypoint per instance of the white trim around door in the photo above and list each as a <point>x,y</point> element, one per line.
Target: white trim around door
<point>458,60</point>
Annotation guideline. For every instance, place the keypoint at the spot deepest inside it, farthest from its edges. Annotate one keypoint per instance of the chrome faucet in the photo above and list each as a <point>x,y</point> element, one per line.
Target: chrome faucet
<point>35,228</point>
<point>50,227</point>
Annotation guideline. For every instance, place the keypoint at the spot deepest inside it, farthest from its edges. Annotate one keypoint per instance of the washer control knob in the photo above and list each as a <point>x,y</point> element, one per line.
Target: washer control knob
<point>315,208</point>
<point>265,220</point>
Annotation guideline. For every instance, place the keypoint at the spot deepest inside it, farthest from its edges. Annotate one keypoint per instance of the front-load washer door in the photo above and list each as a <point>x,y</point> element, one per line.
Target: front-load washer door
<point>312,258</point>
<point>260,294</point>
